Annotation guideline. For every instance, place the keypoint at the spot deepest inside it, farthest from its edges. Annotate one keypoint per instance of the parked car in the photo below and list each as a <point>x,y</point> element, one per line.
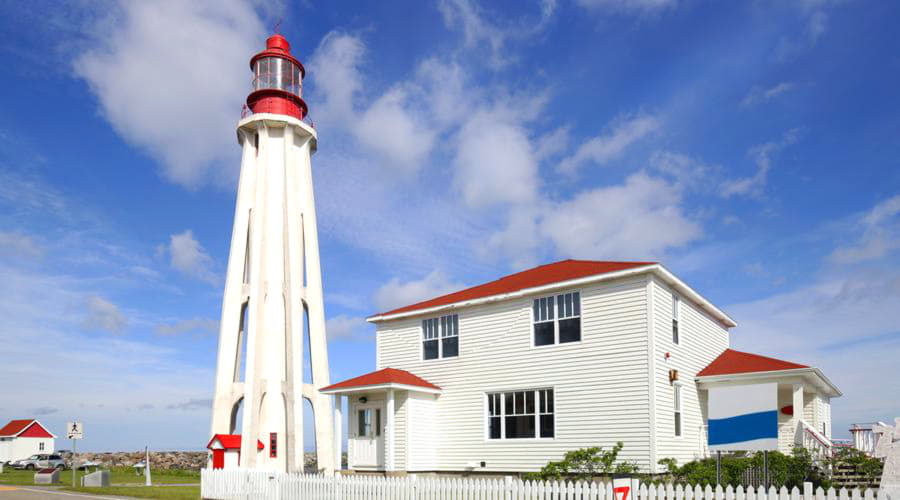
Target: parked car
<point>40,461</point>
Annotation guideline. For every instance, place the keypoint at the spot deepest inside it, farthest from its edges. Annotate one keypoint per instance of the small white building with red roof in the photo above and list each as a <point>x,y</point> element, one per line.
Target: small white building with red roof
<point>226,450</point>
<point>508,375</point>
<point>20,439</point>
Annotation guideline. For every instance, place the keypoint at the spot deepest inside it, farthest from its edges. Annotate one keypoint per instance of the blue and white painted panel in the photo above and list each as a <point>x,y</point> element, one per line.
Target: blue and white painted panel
<point>743,417</point>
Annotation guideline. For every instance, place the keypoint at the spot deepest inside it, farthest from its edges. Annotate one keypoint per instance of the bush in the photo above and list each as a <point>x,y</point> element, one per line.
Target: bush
<point>784,470</point>
<point>585,464</point>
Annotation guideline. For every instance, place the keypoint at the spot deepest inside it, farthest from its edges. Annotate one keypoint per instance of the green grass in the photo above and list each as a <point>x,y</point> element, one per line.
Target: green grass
<point>168,492</point>
<point>118,475</point>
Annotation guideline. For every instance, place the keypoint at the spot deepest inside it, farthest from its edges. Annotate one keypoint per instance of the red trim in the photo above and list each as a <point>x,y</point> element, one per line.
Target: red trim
<point>788,410</point>
<point>273,445</point>
<point>542,275</point>
<point>731,362</point>
<point>383,376</point>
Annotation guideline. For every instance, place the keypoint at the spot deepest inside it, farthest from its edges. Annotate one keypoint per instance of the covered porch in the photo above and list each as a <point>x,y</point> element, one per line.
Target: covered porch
<point>803,398</point>
<point>380,407</point>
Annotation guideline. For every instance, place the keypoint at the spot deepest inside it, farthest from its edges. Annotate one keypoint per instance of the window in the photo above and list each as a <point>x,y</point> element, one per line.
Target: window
<point>364,423</point>
<point>440,337</point>
<point>676,303</point>
<point>677,406</point>
<point>557,319</point>
<point>41,447</point>
<point>273,444</point>
<point>364,426</point>
<point>520,414</point>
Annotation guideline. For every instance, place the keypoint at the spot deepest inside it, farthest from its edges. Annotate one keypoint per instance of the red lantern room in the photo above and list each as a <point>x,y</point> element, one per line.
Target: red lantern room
<point>277,80</point>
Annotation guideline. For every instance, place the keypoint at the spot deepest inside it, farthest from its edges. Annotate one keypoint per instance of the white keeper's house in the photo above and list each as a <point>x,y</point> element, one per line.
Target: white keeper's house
<point>19,439</point>
<point>505,376</point>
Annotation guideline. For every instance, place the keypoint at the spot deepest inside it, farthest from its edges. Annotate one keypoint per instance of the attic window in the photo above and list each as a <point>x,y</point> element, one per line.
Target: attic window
<point>557,319</point>
<point>440,337</point>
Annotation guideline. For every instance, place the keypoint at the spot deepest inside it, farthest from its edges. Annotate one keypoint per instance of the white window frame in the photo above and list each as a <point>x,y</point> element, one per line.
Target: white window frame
<point>556,318</point>
<point>678,409</point>
<point>676,319</point>
<point>440,333</point>
<point>503,415</point>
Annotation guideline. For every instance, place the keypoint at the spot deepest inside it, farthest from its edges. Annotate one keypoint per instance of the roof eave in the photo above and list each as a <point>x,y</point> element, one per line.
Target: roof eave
<point>664,273</point>
<point>835,392</point>
<point>379,387</point>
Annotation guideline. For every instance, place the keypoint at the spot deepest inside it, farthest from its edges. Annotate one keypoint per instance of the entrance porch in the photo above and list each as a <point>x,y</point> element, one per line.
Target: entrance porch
<point>380,406</point>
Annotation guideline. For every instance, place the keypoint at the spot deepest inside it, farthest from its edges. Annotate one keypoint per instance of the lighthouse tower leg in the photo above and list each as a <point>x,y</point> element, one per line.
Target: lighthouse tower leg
<point>273,302</point>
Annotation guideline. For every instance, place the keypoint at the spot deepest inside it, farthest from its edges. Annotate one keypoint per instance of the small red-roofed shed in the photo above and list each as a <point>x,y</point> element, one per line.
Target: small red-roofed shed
<point>226,450</point>
<point>19,439</point>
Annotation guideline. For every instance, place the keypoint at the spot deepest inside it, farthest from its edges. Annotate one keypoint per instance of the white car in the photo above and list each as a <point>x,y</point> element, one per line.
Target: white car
<point>40,461</point>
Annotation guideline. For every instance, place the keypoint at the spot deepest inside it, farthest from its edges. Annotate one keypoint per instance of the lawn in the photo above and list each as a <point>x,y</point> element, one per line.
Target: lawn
<point>118,475</point>
<point>168,492</point>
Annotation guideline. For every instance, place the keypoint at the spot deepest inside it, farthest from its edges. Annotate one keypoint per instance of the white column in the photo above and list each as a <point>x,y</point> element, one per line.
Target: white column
<point>338,426</point>
<point>798,412</point>
<point>389,446</point>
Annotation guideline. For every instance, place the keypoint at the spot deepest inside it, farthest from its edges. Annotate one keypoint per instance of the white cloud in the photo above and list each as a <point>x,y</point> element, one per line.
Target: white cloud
<point>629,6</point>
<point>760,95</point>
<point>176,96</point>
<point>343,327</point>
<point>19,245</point>
<point>103,315</point>
<point>478,32</point>
<point>604,148</point>
<point>388,126</point>
<point>200,326</point>
<point>187,255</point>
<point>391,125</point>
<point>685,171</point>
<point>762,157</point>
<point>396,293</point>
<point>639,219</point>
<point>494,162</point>
<point>814,16</point>
<point>880,234</point>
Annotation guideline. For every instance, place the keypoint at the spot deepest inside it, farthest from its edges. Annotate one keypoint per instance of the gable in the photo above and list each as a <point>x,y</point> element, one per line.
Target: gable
<point>35,430</point>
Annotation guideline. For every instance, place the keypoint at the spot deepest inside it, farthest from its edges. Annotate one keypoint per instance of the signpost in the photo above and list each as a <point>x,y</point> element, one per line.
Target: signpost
<point>74,431</point>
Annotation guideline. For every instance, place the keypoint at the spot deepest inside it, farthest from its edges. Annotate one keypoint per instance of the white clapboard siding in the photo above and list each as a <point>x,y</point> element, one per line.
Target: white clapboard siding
<point>701,339</point>
<point>243,484</point>
<point>601,383</point>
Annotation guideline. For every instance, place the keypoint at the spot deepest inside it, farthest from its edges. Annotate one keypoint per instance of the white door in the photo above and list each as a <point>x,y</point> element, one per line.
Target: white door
<point>368,441</point>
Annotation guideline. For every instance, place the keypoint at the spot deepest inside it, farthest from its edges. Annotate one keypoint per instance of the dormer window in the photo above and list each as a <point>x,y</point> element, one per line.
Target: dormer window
<point>440,337</point>
<point>557,319</point>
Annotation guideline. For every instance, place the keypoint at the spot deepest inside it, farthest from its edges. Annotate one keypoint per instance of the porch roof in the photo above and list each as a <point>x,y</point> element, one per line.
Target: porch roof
<point>745,367</point>
<point>386,378</point>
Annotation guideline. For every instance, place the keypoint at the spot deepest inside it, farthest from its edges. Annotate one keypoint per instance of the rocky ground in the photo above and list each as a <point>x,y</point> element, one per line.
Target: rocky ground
<point>190,460</point>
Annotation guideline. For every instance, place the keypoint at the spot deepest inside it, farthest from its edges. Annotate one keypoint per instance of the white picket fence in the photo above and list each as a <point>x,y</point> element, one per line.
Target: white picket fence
<point>243,484</point>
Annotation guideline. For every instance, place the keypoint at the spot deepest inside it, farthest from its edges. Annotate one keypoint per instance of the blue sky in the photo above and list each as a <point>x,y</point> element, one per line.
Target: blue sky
<point>752,147</point>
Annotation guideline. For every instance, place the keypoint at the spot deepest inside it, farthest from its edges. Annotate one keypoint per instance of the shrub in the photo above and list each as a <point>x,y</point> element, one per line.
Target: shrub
<point>585,464</point>
<point>784,470</point>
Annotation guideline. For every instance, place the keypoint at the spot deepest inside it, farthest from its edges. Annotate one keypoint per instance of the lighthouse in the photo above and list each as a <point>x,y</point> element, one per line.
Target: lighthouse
<point>273,306</point>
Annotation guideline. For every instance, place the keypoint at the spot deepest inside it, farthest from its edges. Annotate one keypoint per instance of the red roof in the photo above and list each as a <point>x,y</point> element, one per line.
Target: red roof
<point>547,274</point>
<point>731,362</point>
<point>231,441</point>
<point>383,376</point>
<point>14,427</point>
<point>28,427</point>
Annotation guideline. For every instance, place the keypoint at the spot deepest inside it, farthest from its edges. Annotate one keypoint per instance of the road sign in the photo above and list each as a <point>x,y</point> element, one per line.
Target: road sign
<point>74,430</point>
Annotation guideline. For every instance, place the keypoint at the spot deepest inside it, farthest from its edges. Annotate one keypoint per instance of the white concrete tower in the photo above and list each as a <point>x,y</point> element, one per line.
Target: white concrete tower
<point>273,288</point>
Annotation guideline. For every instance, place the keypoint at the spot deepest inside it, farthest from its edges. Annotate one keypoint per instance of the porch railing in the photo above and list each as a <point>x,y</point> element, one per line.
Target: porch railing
<point>817,443</point>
